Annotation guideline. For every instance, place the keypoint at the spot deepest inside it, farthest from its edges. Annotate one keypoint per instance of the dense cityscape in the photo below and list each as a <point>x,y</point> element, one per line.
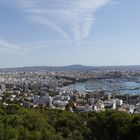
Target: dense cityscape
<point>61,90</point>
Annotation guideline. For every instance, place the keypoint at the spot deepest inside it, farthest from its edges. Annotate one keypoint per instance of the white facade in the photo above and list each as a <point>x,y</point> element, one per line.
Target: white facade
<point>119,102</point>
<point>137,107</point>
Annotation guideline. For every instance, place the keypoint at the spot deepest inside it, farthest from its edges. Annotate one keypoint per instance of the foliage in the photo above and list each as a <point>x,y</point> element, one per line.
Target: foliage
<point>19,123</point>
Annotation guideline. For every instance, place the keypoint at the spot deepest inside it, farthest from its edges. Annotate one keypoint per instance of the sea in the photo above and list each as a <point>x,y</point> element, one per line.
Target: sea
<point>122,86</point>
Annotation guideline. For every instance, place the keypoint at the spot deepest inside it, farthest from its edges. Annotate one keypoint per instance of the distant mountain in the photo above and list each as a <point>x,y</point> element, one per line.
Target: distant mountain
<point>69,68</point>
<point>49,68</point>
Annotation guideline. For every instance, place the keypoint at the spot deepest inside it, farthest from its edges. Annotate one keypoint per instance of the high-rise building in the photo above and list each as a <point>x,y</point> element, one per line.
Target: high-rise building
<point>3,88</point>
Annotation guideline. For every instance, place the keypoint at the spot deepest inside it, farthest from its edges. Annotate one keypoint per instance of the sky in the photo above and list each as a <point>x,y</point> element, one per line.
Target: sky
<point>65,32</point>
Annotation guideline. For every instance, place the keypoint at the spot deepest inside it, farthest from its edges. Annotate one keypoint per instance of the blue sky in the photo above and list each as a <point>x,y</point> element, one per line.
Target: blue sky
<point>63,32</point>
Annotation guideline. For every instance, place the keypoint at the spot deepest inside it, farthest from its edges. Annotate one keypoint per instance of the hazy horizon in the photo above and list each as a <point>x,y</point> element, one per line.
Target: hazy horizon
<point>64,32</point>
<point>98,66</point>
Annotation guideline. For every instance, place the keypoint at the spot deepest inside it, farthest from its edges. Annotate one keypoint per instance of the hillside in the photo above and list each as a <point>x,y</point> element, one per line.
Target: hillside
<point>18,123</point>
<point>69,68</point>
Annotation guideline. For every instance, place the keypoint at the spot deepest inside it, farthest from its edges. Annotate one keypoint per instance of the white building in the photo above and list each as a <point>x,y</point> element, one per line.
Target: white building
<point>137,107</point>
<point>110,105</point>
<point>3,88</point>
<point>119,102</point>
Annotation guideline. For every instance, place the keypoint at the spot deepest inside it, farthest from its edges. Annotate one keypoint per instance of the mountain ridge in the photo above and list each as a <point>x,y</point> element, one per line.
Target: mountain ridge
<point>70,68</point>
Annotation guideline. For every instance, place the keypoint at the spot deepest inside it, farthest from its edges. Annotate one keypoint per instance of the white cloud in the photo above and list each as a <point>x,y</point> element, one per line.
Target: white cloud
<point>76,15</point>
<point>5,46</point>
<point>24,48</point>
<point>49,23</point>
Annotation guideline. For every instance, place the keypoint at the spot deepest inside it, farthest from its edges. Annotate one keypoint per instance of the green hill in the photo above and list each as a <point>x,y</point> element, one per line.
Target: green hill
<point>18,123</point>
